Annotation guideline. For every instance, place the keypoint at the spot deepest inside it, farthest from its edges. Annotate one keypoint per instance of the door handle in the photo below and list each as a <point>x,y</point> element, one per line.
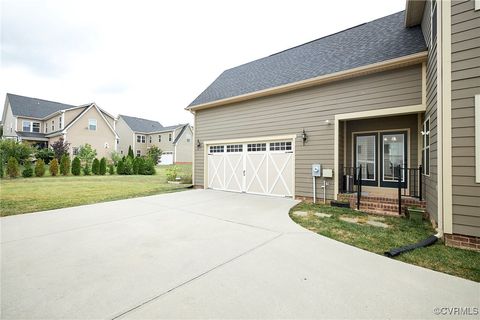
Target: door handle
<point>244,173</point>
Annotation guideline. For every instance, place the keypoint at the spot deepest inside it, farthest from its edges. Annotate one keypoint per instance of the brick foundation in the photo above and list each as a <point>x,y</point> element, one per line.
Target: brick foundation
<point>462,241</point>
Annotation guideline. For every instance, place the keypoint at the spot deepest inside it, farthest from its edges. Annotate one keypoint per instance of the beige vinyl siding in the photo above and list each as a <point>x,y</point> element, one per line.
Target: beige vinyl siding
<point>465,84</point>
<point>307,109</point>
<point>72,114</point>
<point>8,121</point>
<point>431,195</point>
<point>183,149</point>
<point>164,145</point>
<point>125,136</point>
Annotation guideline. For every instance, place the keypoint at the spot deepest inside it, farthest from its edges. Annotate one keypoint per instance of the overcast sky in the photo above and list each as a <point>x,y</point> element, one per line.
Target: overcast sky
<point>152,58</point>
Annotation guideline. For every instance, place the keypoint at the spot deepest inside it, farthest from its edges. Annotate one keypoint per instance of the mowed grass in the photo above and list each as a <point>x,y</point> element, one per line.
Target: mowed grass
<point>401,232</point>
<point>24,195</point>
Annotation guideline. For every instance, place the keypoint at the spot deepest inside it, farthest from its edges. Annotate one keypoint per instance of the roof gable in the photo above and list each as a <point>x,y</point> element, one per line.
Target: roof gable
<point>33,107</point>
<point>142,125</point>
<point>376,41</point>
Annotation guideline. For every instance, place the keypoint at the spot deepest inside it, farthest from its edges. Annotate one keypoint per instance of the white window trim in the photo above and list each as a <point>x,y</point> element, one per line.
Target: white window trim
<point>477,5</point>
<point>31,125</point>
<point>89,120</point>
<point>425,147</point>
<point>143,138</point>
<point>375,162</point>
<point>139,153</point>
<point>477,136</point>
<point>23,125</point>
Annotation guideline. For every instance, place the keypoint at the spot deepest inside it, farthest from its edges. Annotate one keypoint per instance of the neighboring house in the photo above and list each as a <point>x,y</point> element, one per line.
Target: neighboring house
<point>42,122</point>
<point>176,142</point>
<point>402,90</point>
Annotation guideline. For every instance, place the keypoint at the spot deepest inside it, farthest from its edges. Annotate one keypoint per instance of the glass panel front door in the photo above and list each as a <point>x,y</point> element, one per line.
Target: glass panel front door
<point>394,154</point>
<point>366,156</point>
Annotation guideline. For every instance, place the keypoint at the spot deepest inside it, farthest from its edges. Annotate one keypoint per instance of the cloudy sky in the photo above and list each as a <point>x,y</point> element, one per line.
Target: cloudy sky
<point>152,58</point>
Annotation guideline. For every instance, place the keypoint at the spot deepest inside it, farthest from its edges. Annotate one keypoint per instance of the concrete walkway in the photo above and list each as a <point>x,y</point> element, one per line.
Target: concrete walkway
<point>204,254</point>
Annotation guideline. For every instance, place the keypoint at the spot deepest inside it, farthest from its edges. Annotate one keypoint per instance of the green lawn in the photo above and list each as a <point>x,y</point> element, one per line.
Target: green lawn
<point>23,195</point>
<point>401,232</point>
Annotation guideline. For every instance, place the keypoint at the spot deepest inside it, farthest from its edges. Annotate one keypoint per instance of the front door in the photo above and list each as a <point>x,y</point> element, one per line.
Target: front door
<point>393,146</point>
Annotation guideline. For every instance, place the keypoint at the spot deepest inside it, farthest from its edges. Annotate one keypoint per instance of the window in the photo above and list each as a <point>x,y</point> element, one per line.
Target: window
<point>27,126</point>
<point>75,151</point>
<point>35,126</point>
<point>254,147</point>
<point>60,123</point>
<point>281,146</point>
<point>150,139</point>
<point>139,153</point>
<point>216,149</point>
<point>426,147</point>
<point>92,124</point>
<point>169,137</point>
<point>366,156</point>
<point>141,139</point>
<point>234,148</point>
<point>159,138</point>
<point>53,125</point>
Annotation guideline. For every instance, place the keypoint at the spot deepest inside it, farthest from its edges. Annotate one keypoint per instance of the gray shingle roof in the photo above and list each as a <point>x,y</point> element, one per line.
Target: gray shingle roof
<point>379,40</point>
<point>33,107</point>
<point>142,125</point>
<point>38,135</point>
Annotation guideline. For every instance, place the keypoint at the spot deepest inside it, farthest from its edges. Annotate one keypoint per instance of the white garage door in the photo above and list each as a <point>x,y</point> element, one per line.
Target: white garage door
<point>166,158</point>
<point>260,167</point>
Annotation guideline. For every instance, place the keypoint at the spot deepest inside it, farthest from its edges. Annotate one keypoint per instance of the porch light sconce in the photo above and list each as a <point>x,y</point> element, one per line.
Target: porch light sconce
<point>304,136</point>
<point>198,144</point>
<point>327,122</point>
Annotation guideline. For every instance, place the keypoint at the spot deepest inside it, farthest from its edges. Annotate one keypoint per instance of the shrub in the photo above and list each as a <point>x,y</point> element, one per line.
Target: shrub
<point>135,165</point>
<point>172,173</point>
<point>186,179</point>
<point>103,166</point>
<point>95,166</point>
<point>27,170</point>
<point>154,153</point>
<point>40,168</point>
<point>115,156</point>
<point>128,168</point>
<point>76,166</point>
<point>149,167</point>
<point>45,154</point>
<point>86,154</point>
<point>65,165</point>
<point>111,169</point>
<point>141,165</point>
<point>120,167</point>
<point>53,167</point>
<point>130,152</point>
<point>19,150</point>
<point>12,167</point>
<point>86,169</point>
<point>2,163</point>
<point>60,147</point>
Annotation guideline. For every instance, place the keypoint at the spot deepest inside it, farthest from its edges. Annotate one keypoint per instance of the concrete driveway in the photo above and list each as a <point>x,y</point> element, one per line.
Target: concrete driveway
<point>204,254</point>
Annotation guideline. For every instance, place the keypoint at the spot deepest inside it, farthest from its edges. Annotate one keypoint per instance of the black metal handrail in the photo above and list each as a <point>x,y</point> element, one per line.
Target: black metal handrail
<point>351,182</point>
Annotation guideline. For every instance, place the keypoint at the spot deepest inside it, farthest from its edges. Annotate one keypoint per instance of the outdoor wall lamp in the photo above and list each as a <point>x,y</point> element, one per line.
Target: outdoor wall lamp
<point>304,136</point>
<point>198,144</point>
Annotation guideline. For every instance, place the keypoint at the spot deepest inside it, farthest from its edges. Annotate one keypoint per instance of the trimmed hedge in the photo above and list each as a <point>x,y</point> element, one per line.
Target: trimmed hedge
<point>111,169</point>
<point>65,165</point>
<point>103,166</point>
<point>12,167</point>
<point>53,168</point>
<point>95,166</point>
<point>76,166</point>
<point>40,168</point>
<point>27,170</point>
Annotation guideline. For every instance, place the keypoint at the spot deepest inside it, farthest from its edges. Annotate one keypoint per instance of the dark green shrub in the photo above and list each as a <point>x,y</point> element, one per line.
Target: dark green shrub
<point>135,165</point>
<point>65,165</point>
<point>130,152</point>
<point>76,166</point>
<point>149,167</point>
<point>128,168</point>
<point>86,169</point>
<point>103,166</point>
<point>53,167</point>
<point>2,164</point>
<point>27,170</point>
<point>120,167</point>
<point>95,166</point>
<point>46,154</point>
<point>111,169</point>
<point>40,168</point>
<point>141,165</point>
<point>19,150</point>
<point>12,167</point>
<point>154,153</point>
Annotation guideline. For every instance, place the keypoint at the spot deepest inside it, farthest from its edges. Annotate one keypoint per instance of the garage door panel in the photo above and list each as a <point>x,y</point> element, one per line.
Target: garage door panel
<point>216,170</point>
<point>234,172</point>
<point>280,174</point>
<point>256,173</point>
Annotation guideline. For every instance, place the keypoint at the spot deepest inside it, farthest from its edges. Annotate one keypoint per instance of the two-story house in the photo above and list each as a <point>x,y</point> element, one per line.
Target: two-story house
<point>176,142</point>
<point>42,122</point>
<point>390,106</point>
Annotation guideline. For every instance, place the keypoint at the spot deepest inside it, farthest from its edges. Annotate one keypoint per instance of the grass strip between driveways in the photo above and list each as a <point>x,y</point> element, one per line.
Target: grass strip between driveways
<point>401,231</point>
<point>23,195</point>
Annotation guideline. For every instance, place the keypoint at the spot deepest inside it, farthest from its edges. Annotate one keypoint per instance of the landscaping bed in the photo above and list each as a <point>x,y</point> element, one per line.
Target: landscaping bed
<point>380,234</point>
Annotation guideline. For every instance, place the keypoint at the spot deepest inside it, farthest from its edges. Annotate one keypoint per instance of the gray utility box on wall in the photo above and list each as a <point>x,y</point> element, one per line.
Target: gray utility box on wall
<point>327,173</point>
<point>316,170</point>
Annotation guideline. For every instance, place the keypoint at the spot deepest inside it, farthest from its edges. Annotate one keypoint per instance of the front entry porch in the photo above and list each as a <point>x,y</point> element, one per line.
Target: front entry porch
<point>380,163</point>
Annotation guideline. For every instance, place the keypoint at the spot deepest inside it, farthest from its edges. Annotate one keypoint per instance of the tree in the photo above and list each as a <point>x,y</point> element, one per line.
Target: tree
<point>19,150</point>
<point>103,166</point>
<point>86,170</point>
<point>135,165</point>
<point>45,154</point>
<point>154,153</point>
<point>39,168</point>
<point>141,165</point>
<point>130,152</point>
<point>115,156</point>
<point>65,165</point>
<point>149,167</point>
<point>76,166</point>
<point>27,170</point>
<point>86,154</point>
<point>12,167</point>
<point>128,169</point>
<point>2,163</point>
<point>120,167</point>
<point>60,147</point>
<point>111,169</point>
<point>53,167</point>
<point>95,166</point>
